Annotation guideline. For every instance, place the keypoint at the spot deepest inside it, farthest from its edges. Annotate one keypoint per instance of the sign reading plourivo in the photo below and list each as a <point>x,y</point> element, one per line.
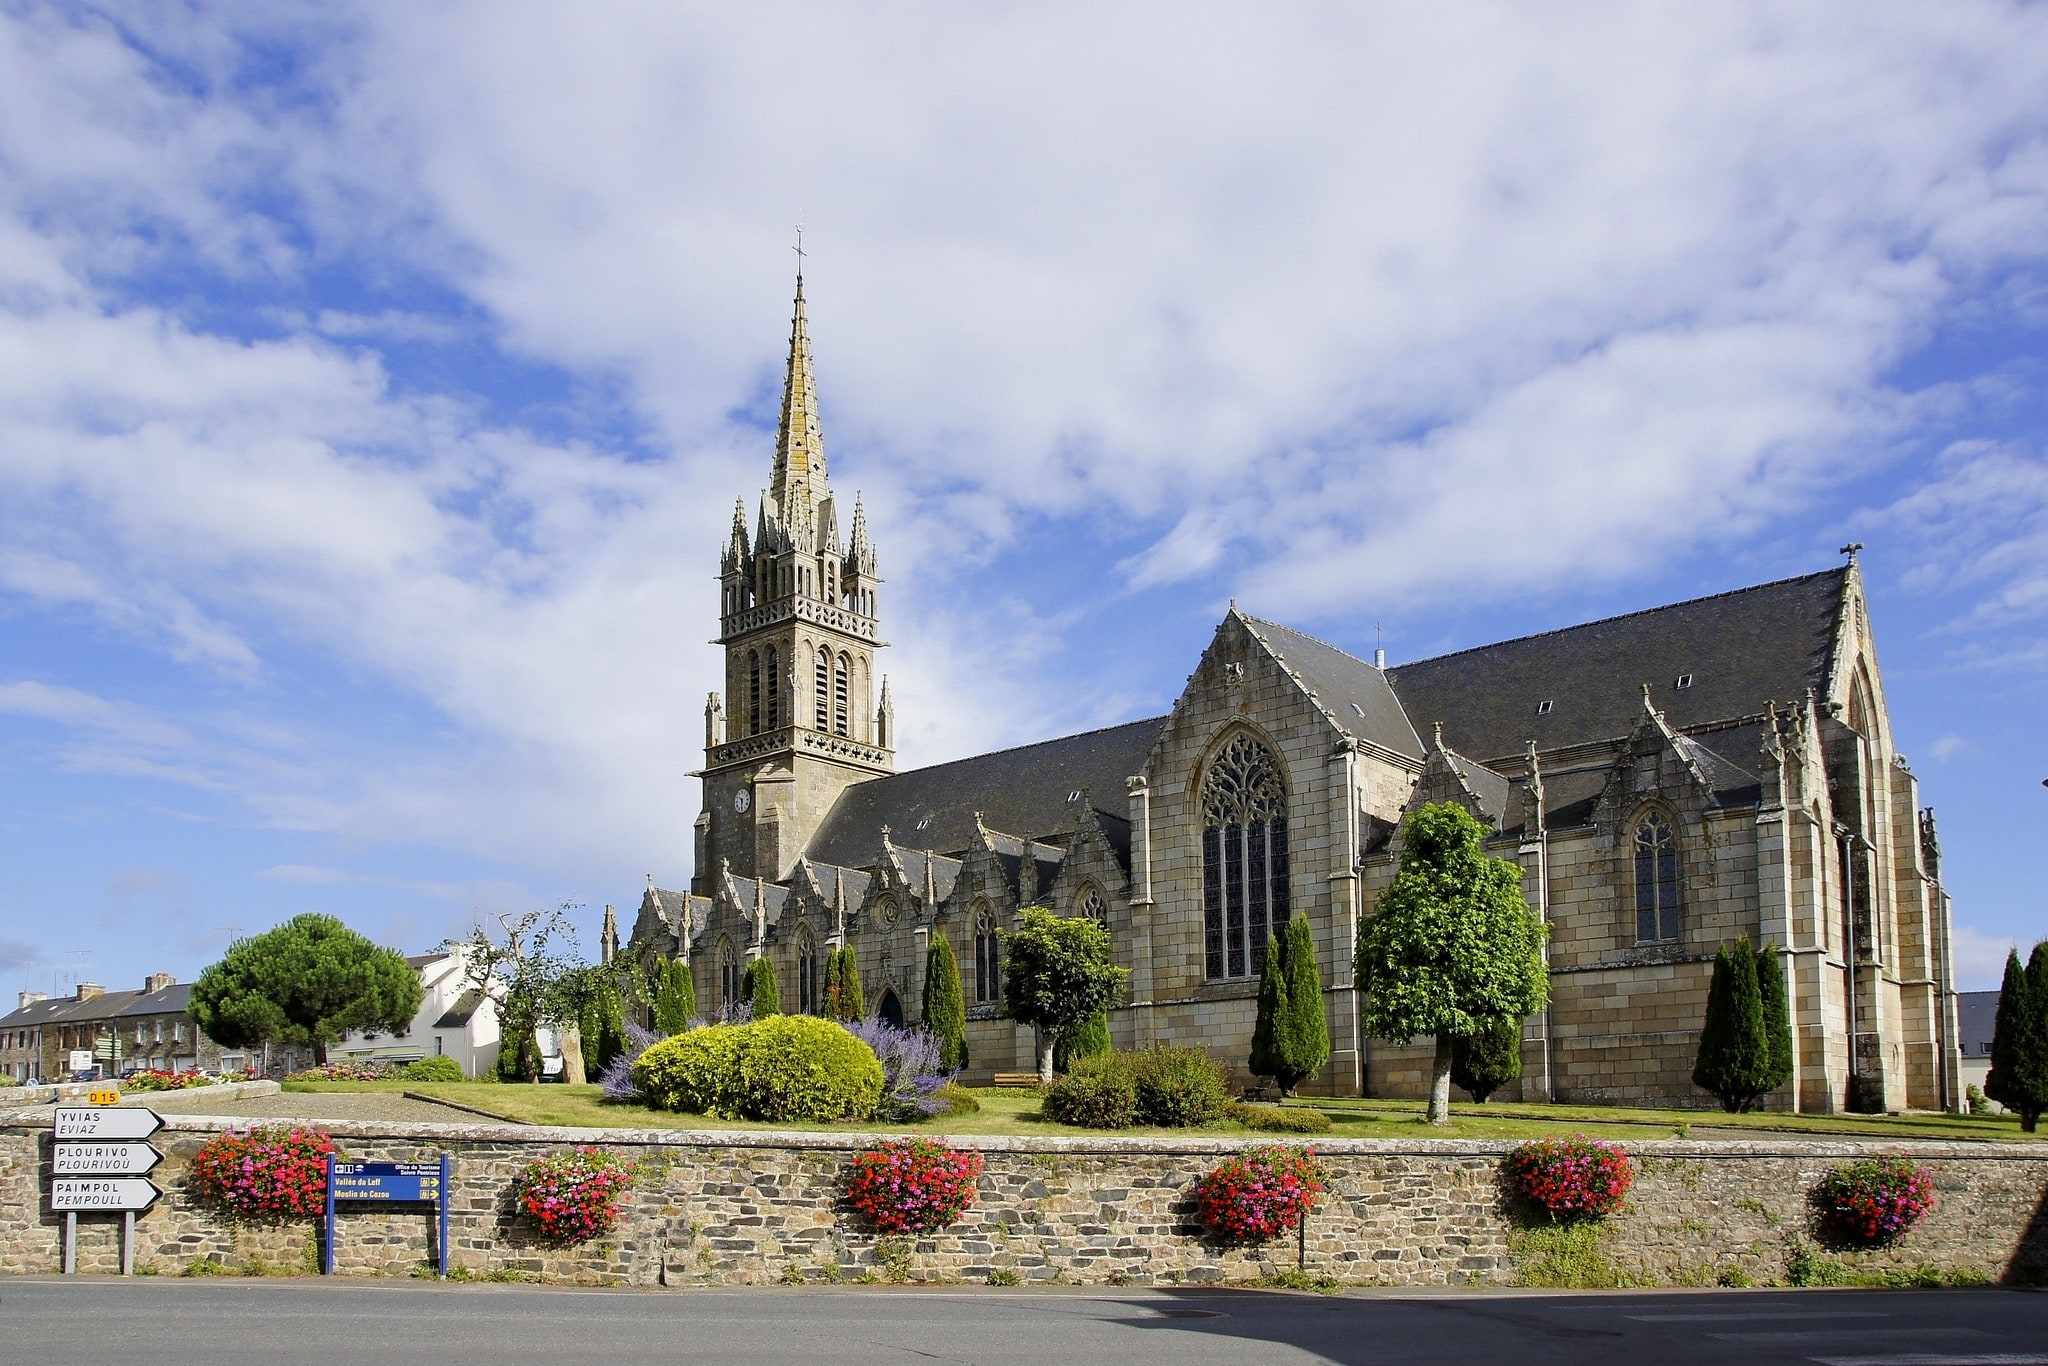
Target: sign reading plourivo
<point>106,1122</point>
<point>117,1194</point>
<point>103,1159</point>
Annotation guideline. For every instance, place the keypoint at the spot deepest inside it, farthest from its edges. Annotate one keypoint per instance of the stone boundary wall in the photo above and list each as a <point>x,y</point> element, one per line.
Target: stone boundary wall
<point>77,1093</point>
<point>743,1207</point>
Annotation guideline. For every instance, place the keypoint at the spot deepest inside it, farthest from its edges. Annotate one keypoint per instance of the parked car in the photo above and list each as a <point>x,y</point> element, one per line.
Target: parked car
<point>89,1074</point>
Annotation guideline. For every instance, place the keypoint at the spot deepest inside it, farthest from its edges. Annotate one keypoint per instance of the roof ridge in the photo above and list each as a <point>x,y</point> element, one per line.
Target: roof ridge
<point>1314,640</point>
<point>993,753</point>
<point>1620,616</point>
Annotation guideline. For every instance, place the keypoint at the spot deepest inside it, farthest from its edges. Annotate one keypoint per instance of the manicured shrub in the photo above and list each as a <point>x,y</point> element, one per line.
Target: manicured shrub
<point>1570,1178</point>
<point>958,1099</point>
<point>1178,1088</point>
<point>1735,1047</point>
<point>1484,1062</point>
<point>1777,1008</point>
<point>1874,1202</point>
<point>802,1067</point>
<point>1097,1093</point>
<point>602,1027</point>
<point>158,1079</point>
<point>759,987</point>
<point>344,1071</point>
<point>696,1072</point>
<point>945,1006</point>
<point>264,1173</point>
<point>573,1196</point>
<point>1279,1119</point>
<point>911,1068</point>
<point>2019,1039</point>
<point>440,1067</point>
<point>912,1185</point>
<point>1291,1039</point>
<point>843,999</point>
<point>1260,1193</point>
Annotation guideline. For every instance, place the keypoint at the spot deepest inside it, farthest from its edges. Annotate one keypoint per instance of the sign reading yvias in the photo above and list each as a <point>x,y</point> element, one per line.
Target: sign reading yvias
<point>103,1159</point>
<point>119,1194</point>
<point>106,1122</point>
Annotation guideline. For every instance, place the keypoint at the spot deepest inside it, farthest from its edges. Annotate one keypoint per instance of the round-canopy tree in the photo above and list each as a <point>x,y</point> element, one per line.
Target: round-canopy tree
<point>306,982</point>
<point>1058,976</point>
<point>1452,945</point>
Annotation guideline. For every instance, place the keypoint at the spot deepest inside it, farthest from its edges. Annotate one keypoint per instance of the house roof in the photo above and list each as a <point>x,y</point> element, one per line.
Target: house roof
<point>1022,791</point>
<point>175,999</point>
<point>1351,690</point>
<point>1976,1015</point>
<point>458,1015</point>
<point>1743,648</point>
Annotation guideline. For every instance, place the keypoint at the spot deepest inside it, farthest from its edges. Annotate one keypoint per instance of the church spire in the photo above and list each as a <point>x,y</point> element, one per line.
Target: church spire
<point>799,480</point>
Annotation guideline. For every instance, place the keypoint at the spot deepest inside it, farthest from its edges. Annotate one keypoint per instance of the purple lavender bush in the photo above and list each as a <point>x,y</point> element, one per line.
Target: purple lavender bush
<point>617,1077</point>
<point>912,1071</point>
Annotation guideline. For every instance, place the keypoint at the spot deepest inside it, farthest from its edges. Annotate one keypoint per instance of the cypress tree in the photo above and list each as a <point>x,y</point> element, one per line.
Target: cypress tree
<point>1089,1039</point>
<point>1302,1034</point>
<point>1484,1062</point>
<point>758,986</point>
<point>675,998</point>
<point>1266,1059</point>
<point>2019,1039</point>
<point>843,999</point>
<point>1734,1055</point>
<point>945,1005</point>
<point>1776,1002</point>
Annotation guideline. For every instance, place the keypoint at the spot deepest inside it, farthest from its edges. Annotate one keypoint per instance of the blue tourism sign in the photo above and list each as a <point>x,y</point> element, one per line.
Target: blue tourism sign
<point>387,1181</point>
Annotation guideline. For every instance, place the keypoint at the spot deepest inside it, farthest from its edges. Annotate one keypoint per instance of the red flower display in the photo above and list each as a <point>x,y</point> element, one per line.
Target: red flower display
<point>913,1185</point>
<point>575,1195</point>
<point>1875,1201</point>
<point>269,1173</point>
<point>1573,1178</point>
<point>160,1079</point>
<point>1260,1193</point>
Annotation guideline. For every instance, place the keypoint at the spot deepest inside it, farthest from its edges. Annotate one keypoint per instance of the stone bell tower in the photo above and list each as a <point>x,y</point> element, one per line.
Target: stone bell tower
<point>799,721</point>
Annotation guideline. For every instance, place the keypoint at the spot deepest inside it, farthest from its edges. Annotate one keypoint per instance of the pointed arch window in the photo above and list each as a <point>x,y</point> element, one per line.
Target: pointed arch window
<point>1091,905</point>
<point>1244,857</point>
<point>824,694</point>
<point>807,973</point>
<point>773,665</point>
<point>988,983</point>
<point>728,975</point>
<point>839,674</point>
<point>1656,850</point>
<point>753,692</point>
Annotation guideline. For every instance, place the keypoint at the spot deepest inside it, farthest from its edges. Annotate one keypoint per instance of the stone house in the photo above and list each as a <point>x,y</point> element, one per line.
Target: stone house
<point>152,1027</point>
<point>1666,780</point>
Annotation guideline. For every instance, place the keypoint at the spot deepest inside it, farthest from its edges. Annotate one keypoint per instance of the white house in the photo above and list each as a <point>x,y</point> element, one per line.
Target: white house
<point>455,1020</point>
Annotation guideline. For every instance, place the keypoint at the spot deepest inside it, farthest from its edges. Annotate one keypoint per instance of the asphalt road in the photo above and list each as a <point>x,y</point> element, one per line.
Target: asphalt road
<point>49,1321</point>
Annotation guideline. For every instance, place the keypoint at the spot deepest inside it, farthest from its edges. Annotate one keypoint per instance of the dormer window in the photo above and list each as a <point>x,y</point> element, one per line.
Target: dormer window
<point>1075,795</point>
<point>1543,707</point>
<point>1684,682</point>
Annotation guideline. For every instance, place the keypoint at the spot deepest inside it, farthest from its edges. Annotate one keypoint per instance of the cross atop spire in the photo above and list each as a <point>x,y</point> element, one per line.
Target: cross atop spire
<point>798,484</point>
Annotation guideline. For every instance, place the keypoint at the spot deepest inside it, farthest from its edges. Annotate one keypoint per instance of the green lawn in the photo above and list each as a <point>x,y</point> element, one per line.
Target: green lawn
<point>1008,1111</point>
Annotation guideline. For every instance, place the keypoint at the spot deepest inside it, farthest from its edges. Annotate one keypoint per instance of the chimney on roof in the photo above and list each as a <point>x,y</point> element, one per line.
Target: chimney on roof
<point>29,998</point>
<point>87,990</point>
<point>1379,660</point>
<point>157,981</point>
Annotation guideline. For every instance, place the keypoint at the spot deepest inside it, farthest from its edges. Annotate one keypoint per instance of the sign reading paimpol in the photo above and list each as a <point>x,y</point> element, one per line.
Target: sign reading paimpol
<point>97,1163</point>
<point>120,1194</point>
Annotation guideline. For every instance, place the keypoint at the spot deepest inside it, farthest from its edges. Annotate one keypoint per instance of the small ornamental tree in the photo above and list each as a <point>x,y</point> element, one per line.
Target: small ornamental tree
<point>1291,1038</point>
<point>675,998</point>
<point>1484,1062</point>
<point>1777,1007</point>
<point>945,1005</point>
<point>2019,1039</point>
<point>1058,974</point>
<point>843,1000</point>
<point>306,982</point>
<point>758,985</point>
<point>603,1028</point>
<point>1735,1049</point>
<point>1452,943</point>
<point>533,974</point>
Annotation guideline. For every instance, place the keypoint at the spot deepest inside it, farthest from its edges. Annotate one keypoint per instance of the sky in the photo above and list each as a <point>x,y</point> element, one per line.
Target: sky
<point>376,383</point>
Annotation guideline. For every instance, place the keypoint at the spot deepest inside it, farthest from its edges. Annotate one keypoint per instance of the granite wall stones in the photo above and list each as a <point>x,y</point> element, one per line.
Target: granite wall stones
<point>735,1208</point>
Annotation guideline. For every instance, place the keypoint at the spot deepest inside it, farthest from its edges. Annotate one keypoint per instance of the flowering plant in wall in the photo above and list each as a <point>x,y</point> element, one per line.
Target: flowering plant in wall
<point>575,1195</point>
<point>1875,1201</point>
<point>912,1185</point>
<point>264,1173</point>
<point>1572,1178</point>
<point>161,1079</point>
<point>1260,1193</point>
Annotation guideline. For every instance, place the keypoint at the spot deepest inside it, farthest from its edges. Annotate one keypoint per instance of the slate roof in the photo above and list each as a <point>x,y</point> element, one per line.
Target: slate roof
<point>459,1014</point>
<point>35,1014</point>
<point>1976,1014</point>
<point>1743,648</point>
<point>175,999</point>
<point>1020,791</point>
<point>1351,690</point>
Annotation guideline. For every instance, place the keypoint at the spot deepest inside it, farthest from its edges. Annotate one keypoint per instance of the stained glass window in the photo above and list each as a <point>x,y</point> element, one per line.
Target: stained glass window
<point>1656,880</point>
<point>1244,858</point>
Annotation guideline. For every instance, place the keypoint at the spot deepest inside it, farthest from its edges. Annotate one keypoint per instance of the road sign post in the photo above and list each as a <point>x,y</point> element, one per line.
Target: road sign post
<point>98,1164</point>
<point>388,1182</point>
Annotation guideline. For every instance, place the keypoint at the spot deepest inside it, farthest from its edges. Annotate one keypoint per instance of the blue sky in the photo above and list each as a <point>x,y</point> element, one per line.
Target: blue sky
<point>375,383</point>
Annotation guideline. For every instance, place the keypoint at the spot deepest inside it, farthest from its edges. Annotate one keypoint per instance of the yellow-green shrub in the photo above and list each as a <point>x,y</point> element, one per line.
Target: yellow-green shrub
<point>802,1067</point>
<point>696,1071</point>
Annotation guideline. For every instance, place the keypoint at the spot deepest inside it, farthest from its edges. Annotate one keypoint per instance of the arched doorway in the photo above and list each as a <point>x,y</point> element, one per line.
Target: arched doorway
<point>889,1008</point>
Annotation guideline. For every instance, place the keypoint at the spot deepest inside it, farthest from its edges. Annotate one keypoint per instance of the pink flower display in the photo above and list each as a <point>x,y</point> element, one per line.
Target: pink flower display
<point>575,1195</point>
<point>1260,1193</point>
<point>1875,1201</point>
<point>1572,1178</point>
<point>913,1185</point>
<point>266,1173</point>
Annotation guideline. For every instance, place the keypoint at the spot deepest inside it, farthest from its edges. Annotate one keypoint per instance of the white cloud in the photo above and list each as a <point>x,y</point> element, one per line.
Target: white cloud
<point>1980,958</point>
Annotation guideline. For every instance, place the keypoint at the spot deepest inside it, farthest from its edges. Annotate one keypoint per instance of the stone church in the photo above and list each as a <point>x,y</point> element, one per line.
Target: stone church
<point>1667,780</point>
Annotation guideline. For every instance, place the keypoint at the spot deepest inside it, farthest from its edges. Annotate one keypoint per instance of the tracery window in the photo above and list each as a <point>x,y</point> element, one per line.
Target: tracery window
<point>1244,857</point>
<point>728,974</point>
<point>807,973</point>
<point>1656,880</point>
<point>987,955</point>
<point>1091,905</point>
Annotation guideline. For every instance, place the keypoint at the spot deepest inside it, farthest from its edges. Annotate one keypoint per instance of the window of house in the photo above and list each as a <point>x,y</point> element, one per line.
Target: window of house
<point>1244,858</point>
<point>987,956</point>
<point>1656,849</point>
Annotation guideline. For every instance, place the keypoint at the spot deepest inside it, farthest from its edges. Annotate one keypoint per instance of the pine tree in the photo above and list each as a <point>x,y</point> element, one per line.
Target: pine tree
<point>1734,1058</point>
<point>1483,1062</point>
<point>843,999</point>
<point>675,998</point>
<point>1776,1003</point>
<point>945,1005</point>
<point>759,987</point>
<point>2019,1039</point>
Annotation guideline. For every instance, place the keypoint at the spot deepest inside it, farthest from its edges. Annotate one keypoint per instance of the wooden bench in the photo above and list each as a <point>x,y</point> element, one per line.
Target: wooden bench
<point>1029,1079</point>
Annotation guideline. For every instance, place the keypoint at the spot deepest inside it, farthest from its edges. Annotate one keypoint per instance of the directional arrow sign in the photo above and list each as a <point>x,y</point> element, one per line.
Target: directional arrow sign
<point>118,1193</point>
<point>103,1159</point>
<point>107,1122</point>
